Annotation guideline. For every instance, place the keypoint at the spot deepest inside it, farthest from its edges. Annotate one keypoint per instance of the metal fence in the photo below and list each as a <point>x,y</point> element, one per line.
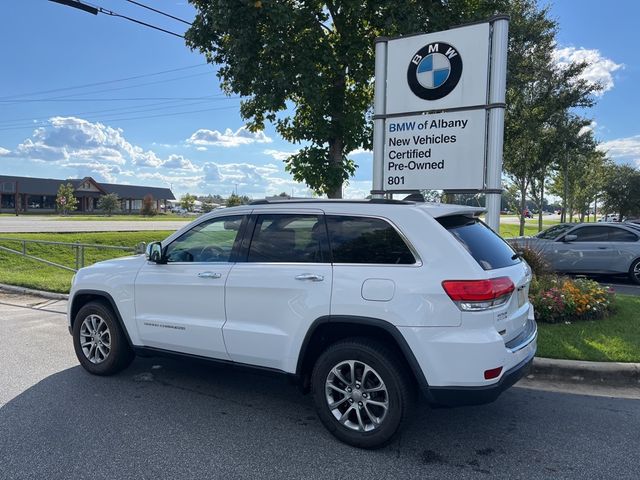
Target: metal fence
<point>77,248</point>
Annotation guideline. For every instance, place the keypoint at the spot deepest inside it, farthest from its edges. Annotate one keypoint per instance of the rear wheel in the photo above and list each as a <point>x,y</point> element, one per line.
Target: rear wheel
<point>634,271</point>
<point>362,392</point>
<point>99,342</point>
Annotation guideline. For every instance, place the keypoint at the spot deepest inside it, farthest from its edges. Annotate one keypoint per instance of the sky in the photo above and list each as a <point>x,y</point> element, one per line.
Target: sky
<point>84,95</point>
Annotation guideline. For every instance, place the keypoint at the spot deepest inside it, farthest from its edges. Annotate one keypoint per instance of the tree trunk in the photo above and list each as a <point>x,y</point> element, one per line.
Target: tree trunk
<point>523,205</point>
<point>565,193</point>
<point>541,204</point>
<point>335,157</point>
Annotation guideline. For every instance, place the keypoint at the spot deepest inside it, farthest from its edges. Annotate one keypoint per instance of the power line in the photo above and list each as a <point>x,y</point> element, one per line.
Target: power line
<point>106,82</point>
<point>126,119</point>
<point>158,11</point>
<point>95,9</point>
<point>139,22</point>
<point>42,123</point>
<point>90,112</point>
<point>130,86</point>
<point>128,99</point>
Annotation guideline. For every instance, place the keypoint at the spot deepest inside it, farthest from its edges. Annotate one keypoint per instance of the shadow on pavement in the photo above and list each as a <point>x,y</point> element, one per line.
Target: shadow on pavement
<point>163,418</point>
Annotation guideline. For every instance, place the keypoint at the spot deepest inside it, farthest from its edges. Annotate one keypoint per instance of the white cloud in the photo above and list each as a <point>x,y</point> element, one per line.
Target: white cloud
<point>71,139</point>
<point>4,151</point>
<point>361,151</point>
<point>229,138</point>
<point>600,69</point>
<point>201,149</point>
<point>102,172</point>
<point>623,149</point>
<point>279,154</point>
<point>178,162</point>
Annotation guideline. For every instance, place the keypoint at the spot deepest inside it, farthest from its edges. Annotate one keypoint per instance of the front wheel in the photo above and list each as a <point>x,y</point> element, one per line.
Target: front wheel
<point>634,271</point>
<point>362,392</point>
<point>99,342</point>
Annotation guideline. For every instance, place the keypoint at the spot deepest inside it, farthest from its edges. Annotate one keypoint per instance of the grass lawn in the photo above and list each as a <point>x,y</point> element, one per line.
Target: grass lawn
<point>126,218</point>
<point>169,217</point>
<point>614,339</point>
<point>18,270</point>
<point>508,230</point>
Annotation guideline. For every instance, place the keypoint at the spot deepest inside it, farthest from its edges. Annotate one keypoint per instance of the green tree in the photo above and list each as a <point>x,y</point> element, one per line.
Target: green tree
<point>66,200</point>
<point>539,95</point>
<point>308,67</point>
<point>109,203</point>
<point>235,200</point>
<point>148,206</point>
<point>621,192</point>
<point>187,202</point>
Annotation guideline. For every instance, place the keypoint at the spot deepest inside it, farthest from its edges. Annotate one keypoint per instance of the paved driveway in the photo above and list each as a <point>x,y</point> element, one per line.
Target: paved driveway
<point>169,419</point>
<point>30,224</point>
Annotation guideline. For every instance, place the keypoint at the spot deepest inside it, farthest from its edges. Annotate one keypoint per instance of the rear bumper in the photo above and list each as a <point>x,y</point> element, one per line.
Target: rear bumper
<point>460,396</point>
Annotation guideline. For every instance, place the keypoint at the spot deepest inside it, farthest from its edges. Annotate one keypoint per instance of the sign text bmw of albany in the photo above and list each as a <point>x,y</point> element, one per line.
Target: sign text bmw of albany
<point>442,151</point>
<point>426,145</point>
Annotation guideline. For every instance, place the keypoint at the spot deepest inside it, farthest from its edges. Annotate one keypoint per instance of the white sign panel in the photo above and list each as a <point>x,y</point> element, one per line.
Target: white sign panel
<point>438,70</point>
<point>438,151</point>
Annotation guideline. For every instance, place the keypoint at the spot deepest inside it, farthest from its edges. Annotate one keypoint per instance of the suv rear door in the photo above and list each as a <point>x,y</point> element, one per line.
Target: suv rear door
<point>281,284</point>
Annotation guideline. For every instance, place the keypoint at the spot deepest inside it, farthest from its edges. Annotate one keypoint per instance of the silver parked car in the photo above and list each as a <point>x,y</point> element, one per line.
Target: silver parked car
<point>598,248</point>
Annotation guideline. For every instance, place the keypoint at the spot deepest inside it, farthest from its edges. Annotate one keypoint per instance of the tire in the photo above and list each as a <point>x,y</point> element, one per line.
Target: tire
<point>356,407</point>
<point>104,349</point>
<point>634,271</point>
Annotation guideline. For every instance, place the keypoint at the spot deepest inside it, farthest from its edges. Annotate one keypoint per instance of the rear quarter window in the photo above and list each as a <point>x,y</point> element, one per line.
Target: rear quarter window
<point>482,243</point>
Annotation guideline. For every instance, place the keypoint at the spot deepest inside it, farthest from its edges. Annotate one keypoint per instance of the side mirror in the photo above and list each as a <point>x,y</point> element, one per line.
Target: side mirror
<point>154,253</point>
<point>570,238</point>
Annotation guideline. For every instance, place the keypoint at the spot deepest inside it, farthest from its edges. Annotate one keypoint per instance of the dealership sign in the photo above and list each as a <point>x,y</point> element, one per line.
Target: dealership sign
<point>439,110</point>
<point>439,151</point>
<point>438,70</point>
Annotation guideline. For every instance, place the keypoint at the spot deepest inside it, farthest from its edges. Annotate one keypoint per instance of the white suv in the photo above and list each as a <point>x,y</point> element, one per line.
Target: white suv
<point>363,302</point>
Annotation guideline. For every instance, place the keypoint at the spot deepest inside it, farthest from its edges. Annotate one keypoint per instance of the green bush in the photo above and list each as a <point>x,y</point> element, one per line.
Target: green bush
<point>535,259</point>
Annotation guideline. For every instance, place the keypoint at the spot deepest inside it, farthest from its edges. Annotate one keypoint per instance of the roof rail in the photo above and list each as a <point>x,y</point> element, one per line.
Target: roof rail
<point>383,201</point>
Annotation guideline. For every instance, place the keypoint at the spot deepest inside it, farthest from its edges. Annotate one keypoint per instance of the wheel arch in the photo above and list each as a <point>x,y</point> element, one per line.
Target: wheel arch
<point>82,297</point>
<point>328,329</point>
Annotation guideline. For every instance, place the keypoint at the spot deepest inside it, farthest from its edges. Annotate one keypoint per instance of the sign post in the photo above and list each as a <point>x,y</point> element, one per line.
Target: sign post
<point>439,112</point>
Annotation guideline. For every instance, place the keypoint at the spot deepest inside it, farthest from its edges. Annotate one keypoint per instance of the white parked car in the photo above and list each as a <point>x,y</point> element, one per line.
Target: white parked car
<point>363,302</point>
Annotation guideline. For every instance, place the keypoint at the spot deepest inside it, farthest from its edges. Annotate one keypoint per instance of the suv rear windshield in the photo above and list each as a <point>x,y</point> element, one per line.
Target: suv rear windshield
<point>487,248</point>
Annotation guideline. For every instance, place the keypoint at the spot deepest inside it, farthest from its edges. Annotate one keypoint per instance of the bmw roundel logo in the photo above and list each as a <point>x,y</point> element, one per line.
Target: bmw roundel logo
<point>434,71</point>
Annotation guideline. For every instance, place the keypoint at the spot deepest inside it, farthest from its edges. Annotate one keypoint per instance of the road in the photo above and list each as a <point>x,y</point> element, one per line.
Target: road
<point>168,419</point>
<point>33,224</point>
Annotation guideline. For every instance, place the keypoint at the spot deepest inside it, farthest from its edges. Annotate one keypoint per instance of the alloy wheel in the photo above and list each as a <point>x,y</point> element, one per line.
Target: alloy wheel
<point>95,338</point>
<point>356,396</point>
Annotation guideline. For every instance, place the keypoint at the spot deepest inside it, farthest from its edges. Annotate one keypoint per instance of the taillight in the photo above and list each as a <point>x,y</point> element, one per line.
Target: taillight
<point>478,295</point>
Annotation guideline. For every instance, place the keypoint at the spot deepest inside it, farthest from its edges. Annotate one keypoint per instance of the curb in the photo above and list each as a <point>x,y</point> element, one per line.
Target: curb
<point>30,291</point>
<point>596,373</point>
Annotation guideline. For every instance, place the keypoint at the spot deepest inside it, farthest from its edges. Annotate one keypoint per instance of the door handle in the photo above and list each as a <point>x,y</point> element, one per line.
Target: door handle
<point>310,276</point>
<point>209,275</point>
<point>602,248</point>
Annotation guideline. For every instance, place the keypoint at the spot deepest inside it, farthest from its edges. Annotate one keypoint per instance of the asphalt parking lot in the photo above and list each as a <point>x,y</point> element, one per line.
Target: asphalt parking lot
<point>163,418</point>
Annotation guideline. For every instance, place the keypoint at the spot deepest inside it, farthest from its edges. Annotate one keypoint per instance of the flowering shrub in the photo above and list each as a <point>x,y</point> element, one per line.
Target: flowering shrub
<point>560,299</point>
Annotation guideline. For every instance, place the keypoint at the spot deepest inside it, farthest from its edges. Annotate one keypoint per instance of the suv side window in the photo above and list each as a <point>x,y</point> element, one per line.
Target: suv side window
<point>289,238</point>
<point>366,240</point>
<point>210,241</point>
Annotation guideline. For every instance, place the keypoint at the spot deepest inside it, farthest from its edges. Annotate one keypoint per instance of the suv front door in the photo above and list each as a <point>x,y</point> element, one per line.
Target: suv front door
<point>180,304</point>
<point>281,285</point>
